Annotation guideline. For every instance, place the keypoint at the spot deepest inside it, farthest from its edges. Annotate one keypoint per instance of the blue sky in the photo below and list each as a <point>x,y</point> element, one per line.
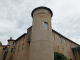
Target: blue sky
<point>15,17</point>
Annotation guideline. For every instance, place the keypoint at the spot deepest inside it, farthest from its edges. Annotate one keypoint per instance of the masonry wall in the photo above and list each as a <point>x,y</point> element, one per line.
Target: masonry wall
<point>1,52</point>
<point>10,54</point>
<point>62,47</point>
<point>23,54</point>
<point>20,52</point>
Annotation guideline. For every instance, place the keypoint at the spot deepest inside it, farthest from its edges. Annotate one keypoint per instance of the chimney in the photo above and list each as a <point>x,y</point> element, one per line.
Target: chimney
<point>10,38</point>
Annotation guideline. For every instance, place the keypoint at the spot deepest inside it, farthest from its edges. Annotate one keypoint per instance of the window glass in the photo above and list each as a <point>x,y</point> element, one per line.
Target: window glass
<point>23,46</point>
<point>13,43</point>
<point>65,42</point>
<point>60,40</point>
<point>46,25</point>
<point>73,45</point>
<point>24,38</point>
<point>53,36</point>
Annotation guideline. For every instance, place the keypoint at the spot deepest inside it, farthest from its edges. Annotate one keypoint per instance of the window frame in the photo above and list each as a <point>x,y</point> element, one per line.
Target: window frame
<point>53,37</point>
<point>13,43</point>
<point>24,39</point>
<point>60,40</point>
<point>46,25</point>
<point>22,46</point>
<point>65,42</point>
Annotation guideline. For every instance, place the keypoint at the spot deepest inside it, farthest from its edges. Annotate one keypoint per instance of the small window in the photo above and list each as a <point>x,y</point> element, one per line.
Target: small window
<point>65,42</point>
<point>23,46</point>
<point>11,50</point>
<point>45,25</point>
<point>13,43</point>
<point>73,45</point>
<point>60,40</point>
<point>53,37</point>
<point>24,39</point>
<point>57,47</point>
<point>3,49</point>
<point>63,49</point>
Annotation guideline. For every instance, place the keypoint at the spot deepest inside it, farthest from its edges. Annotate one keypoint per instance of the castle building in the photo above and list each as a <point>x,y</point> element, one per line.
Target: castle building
<point>40,42</point>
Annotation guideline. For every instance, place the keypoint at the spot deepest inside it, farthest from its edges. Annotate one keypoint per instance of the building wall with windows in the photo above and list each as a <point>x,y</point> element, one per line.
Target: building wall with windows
<point>64,45</point>
<point>40,42</point>
<point>2,48</point>
<point>19,49</point>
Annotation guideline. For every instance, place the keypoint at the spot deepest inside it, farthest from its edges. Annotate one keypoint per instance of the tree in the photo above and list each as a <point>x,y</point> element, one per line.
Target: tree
<point>59,56</point>
<point>0,43</point>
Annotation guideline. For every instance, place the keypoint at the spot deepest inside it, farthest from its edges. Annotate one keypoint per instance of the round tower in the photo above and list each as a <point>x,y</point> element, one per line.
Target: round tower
<point>41,45</point>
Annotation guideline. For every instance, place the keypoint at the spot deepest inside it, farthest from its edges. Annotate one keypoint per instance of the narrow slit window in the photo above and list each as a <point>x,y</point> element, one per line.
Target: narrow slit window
<point>23,46</point>
<point>53,36</point>
<point>73,45</point>
<point>60,40</point>
<point>45,25</point>
<point>65,42</point>
<point>24,39</point>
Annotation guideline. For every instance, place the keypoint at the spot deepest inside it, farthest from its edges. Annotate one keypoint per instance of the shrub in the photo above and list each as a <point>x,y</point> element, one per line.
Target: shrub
<point>59,56</point>
<point>0,43</point>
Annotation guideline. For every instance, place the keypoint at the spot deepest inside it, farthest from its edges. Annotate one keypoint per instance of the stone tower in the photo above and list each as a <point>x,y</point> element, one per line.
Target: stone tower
<point>41,45</point>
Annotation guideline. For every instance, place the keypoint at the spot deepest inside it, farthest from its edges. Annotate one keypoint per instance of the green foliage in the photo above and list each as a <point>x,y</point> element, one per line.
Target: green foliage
<point>59,56</point>
<point>0,43</point>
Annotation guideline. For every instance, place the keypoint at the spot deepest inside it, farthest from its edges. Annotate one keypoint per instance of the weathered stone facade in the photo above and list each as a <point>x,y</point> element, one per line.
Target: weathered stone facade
<point>40,42</point>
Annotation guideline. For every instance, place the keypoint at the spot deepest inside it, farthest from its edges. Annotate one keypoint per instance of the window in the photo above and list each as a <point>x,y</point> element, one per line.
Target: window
<point>57,47</point>
<point>62,49</point>
<point>23,46</point>
<point>60,40</point>
<point>53,36</point>
<point>3,49</point>
<point>45,25</point>
<point>13,43</point>
<point>24,39</point>
<point>65,42</point>
<point>73,45</point>
<point>11,50</point>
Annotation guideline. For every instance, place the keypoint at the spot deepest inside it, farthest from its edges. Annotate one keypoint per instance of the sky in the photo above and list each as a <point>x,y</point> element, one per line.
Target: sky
<point>15,17</point>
